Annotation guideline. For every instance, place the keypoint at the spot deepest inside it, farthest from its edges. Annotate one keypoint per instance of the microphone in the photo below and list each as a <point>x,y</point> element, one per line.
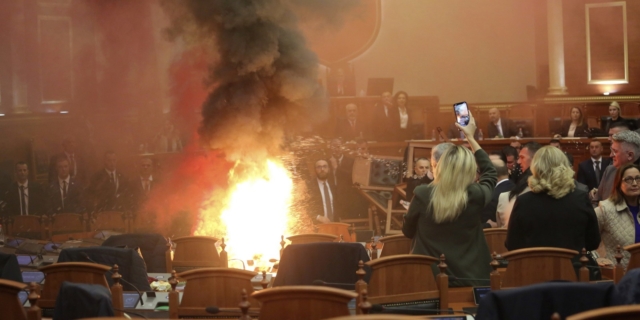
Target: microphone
<point>216,310</point>
<point>86,256</point>
<point>348,286</point>
<point>378,308</point>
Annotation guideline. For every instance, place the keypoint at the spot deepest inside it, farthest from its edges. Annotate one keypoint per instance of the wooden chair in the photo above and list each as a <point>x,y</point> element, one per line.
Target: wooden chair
<point>311,238</point>
<point>194,252</point>
<point>395,245</point>
<point>631,312</point>
<point>303,302</point>
<point>80,272</point>
<point>142,222</point>
<point>384,210</point>
<point>378,317</point>
<point>496,238</point>
<point>405,279</point>
<point>536,265</point>
<point>110,220</point>
<point>65,223</point>
<point>27,226</point>
<point>337,229</point>
<point>11,307</point>
<point>634,260</point>
<point>221,287</point>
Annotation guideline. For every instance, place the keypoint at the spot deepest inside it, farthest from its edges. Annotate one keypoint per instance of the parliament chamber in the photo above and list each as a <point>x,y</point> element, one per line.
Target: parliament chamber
<point>263,159</point>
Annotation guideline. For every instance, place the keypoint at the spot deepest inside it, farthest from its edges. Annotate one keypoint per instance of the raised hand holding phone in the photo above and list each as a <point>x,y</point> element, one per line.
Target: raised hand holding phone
<point>469,130</point>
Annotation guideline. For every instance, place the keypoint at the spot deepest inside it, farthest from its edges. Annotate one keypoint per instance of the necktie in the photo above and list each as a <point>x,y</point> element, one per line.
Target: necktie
<point>72,165</point>
<point>64,192</point>
<point>114,181</point>
<point>327,201</point>
<point>146,185</point>
<point>598,171</point>
<point>23,202</point>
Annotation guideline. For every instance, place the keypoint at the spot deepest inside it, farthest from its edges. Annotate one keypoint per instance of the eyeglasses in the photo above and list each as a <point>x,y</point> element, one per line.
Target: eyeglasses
<point>630,180</point>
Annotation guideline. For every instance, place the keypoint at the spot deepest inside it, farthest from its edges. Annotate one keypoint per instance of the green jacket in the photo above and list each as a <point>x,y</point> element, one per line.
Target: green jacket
<point>462,241</point>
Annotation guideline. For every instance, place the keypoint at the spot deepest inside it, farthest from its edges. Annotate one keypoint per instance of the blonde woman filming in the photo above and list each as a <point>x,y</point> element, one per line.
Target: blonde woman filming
<point>444,216</point>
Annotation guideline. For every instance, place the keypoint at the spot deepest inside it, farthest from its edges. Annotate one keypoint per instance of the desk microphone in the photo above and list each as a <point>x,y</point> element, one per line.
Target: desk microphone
<point>378,308</point>
<point>86,256</point>
<point>216,310</point>
<point>348,286</point>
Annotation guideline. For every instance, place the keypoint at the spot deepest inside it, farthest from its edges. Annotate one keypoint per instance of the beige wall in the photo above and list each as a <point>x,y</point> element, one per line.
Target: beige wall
<point>473,50</point>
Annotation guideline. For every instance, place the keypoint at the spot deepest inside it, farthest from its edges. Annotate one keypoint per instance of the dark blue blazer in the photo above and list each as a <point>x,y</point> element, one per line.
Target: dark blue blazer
<point>586,173</point>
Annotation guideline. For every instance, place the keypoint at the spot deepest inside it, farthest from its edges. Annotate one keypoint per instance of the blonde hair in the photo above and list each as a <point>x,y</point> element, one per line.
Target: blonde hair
<point>551,173</point>
<point>455,171</point>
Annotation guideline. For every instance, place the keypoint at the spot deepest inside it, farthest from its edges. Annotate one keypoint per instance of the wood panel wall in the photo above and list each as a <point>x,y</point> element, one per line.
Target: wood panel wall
<point>606,38</point>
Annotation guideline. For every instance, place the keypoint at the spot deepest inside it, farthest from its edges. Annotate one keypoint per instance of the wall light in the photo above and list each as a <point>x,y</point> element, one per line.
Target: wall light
<point>64,112</point>
<point>606,93</point>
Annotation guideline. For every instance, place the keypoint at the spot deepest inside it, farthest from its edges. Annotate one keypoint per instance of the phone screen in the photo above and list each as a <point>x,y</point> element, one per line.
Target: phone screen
<point>461,111</point>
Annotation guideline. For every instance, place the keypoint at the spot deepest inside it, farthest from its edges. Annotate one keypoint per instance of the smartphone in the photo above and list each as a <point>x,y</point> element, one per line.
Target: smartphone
<point>461,111</point>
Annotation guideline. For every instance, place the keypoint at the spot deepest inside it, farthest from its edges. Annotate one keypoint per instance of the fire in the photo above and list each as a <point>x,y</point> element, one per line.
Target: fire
<point>254,213</point>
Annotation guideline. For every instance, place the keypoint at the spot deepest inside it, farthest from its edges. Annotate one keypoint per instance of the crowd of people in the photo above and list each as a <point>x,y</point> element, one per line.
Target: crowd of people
<point>71,189</point>
<point>544,205</point>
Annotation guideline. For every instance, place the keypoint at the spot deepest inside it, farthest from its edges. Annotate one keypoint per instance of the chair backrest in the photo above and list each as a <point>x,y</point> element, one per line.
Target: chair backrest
<point>303,302</point>
<point>610,313</point>
<point>195,252</point>
<point>67,223</point>
<point>30,226</point>
<point>540,264</point>
<point>378,317</point>
<point>495,239</point>
<point>80,272</point>
<point>405,278</point>
<point>109,220</point>
<point>337,229</point>
<point>395,245</point>
<point>311,238</point>
<point>221,287</point>
<point>634,260</point>
<point>11,307</point>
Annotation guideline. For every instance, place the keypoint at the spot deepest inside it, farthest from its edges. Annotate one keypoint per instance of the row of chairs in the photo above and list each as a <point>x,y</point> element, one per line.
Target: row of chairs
<point>46,227</point>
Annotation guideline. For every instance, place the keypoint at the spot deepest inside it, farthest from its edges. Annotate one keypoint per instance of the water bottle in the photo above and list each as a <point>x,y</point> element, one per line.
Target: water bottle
<point>520,134</point>
<point>480,135</point>
<point>2,238</point>
<point>433,135</point>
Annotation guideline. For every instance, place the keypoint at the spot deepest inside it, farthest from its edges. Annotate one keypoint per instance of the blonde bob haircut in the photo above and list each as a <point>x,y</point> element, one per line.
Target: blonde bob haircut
<point>551,173</point>
<point>455,171</point>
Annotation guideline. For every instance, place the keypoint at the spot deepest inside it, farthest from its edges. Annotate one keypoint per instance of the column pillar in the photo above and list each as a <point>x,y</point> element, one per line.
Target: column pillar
<point>556,48</point>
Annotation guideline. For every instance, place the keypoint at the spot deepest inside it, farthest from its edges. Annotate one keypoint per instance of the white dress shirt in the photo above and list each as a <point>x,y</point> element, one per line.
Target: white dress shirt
<point>404,118</point>
<point>26,197</point>
<point>324,203</point>
<point>499,126</point>
<point>114,176</point>
<point>64,191</point>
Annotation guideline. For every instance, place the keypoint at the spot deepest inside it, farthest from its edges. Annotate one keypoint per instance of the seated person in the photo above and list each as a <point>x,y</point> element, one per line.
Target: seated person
<point>618,215</point>
<point>423,175</point>
<point>500,127</point>
<point>577,127</point>
<point>554,213</point>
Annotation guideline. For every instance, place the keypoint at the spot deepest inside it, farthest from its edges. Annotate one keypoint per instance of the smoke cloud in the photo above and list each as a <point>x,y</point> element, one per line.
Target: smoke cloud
<point>264,83</point>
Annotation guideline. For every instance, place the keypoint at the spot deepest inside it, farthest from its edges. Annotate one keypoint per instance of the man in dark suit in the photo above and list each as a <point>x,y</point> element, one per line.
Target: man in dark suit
<point>500,127</point>
<point>385,118</point>
<point>108,186</point>
<point>24,197</point>
<point>141,187</point>
<point>351,128</point>
<point>341,84</point>
<point>77,164</point>
<point>504,185</point>
<point>322,198</point>
<point>65,193</point>
<point>590,171</point>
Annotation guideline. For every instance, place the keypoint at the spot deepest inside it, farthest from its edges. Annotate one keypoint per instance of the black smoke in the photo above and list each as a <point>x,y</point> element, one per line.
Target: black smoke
<point>265,81</point>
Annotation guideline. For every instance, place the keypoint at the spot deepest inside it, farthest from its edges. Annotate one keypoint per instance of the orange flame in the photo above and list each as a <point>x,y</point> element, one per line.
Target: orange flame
<point>253,214</point>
